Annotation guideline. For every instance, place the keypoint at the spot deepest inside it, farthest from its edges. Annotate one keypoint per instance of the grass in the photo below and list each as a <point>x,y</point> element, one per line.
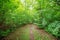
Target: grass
<point>39,36</point>
<point>24,34</point>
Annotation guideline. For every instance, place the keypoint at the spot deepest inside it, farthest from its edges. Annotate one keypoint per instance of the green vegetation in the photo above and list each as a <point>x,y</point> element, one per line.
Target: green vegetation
<point>44,13</point>
<point>50,19</point>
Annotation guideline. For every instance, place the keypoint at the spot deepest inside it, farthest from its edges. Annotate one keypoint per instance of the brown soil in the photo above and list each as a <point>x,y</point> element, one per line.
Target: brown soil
<point>32,27</point>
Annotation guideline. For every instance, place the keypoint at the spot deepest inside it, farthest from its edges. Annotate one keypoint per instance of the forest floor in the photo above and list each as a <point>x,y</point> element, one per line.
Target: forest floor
<point>29,32</point>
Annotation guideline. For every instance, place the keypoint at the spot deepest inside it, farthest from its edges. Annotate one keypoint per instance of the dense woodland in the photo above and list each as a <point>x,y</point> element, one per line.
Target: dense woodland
<point>43,13</point>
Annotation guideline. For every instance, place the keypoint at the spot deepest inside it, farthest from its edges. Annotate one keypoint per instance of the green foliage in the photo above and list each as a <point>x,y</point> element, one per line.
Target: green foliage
<point>49,16</point>
<point>54,28</point>
<point>4,33</point>
<point>14,14</point>
<point>44,13</point>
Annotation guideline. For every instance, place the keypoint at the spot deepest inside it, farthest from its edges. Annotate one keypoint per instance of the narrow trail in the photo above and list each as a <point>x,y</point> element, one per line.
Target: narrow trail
<point>29,32</point>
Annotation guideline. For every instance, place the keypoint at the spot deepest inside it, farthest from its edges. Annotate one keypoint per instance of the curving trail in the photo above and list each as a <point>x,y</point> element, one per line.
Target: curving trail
<point>29,32</point>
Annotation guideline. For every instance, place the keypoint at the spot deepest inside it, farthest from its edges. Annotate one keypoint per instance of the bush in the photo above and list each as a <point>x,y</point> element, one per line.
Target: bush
<point>54,28</point>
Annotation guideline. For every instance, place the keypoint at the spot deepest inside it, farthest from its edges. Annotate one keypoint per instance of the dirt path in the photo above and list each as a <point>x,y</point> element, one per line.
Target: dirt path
<point>29,32</point>
<point>42,35</point>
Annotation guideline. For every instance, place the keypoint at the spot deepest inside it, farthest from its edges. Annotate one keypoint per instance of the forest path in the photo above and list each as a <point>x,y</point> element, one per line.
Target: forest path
<point>29,32</point>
